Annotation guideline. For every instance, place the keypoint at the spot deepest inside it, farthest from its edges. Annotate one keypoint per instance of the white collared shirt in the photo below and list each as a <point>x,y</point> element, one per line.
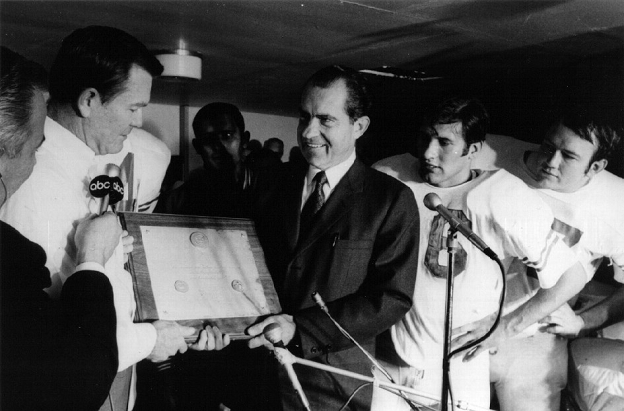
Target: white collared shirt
<point>334,175</point>
<point>49,205</point>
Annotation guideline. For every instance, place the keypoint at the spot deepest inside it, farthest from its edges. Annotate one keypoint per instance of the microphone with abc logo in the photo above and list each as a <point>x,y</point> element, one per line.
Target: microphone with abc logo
<point>108,187</point>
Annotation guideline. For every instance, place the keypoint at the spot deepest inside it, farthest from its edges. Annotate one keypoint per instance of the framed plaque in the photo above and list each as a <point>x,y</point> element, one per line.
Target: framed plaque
<point>199,270</point>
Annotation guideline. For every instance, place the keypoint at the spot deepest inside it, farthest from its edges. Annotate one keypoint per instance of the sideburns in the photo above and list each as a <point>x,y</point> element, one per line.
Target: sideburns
<point>465,150</point>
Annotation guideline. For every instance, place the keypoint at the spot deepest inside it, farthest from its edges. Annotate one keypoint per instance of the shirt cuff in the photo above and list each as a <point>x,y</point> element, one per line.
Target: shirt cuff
<point>90,266</point>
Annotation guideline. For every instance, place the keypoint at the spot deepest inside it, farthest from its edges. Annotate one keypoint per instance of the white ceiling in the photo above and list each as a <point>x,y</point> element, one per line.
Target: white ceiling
<point>258,53</point>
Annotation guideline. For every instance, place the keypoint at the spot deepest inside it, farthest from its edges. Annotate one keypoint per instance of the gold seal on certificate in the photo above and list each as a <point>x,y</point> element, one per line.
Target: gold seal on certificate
<point>237,285</point>
<point>199,239</point>
<point>181,286</point>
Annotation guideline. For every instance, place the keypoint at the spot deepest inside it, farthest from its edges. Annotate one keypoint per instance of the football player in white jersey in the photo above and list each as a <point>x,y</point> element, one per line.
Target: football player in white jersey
<point>515,223</point>
<point>568,171</point>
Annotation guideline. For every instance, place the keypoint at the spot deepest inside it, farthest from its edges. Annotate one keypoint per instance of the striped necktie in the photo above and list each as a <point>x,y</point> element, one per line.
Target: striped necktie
<point>314,203</point>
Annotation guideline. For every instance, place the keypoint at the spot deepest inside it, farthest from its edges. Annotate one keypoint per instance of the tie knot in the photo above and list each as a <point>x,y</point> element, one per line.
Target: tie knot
<point>320,178</point>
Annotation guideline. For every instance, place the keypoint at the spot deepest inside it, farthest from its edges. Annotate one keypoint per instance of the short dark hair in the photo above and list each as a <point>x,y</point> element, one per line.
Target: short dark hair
<point>99,57</point>
<point>591,124</point>
<point>214,111</point>
<point>472,115</point>
<point>20,79</point>
<point>359,100</point>
<point>272,140</point>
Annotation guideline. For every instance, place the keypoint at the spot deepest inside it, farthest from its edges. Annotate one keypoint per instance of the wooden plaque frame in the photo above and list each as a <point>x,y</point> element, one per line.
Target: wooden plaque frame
<point>138,267</point>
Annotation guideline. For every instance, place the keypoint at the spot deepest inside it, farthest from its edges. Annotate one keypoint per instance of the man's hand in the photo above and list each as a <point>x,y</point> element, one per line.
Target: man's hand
<point>210,338</point>
<point>470,332</point>
<point>543,303</point>
<point>128,244</point>
<point>169,340</point>
<point>96,238</point>
<point>563,322</point>
<point>286,323</point>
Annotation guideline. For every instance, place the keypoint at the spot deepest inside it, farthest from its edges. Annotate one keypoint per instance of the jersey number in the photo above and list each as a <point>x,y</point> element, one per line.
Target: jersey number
<point>436,257</point>
<point>571,236</point>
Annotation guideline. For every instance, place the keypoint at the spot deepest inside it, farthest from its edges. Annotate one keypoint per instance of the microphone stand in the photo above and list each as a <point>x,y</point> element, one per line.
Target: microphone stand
<point>433,202</point>
<point>451,246</point>
<point>319,301</point>
<point>273,334</point>
<point>286,357</point>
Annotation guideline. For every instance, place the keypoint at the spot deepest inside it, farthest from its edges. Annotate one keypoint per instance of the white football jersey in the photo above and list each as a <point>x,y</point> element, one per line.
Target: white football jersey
<point>506,214</point>
<point>590,218</point>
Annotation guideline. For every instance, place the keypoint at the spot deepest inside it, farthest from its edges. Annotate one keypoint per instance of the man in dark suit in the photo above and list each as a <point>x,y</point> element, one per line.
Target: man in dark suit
<point>342,230</point>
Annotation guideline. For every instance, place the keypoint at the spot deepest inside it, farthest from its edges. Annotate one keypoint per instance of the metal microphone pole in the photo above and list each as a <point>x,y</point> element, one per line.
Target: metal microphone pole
<point>319,301</point>
<point>432,201</point>
<point>289,358</point>
<point>451,244</point>
<point>273,334</point>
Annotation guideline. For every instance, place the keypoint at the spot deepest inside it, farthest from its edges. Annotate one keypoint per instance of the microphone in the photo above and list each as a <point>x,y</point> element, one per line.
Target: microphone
<point>273,333</point>
<point>432,202</point>
<point>116,192</point>
<point>320,302</point>
<point>108,187</point>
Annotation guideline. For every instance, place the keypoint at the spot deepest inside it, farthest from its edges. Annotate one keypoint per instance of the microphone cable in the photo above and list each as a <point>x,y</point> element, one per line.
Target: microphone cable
<point>501,302</point>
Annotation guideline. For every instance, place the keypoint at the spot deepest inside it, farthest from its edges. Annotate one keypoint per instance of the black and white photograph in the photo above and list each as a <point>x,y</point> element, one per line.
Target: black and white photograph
<point>322,205</point>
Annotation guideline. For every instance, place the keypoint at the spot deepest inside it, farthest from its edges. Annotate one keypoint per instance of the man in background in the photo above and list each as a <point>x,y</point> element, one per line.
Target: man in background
<point>508,216</point>
<point>237,377</point>
<point>340,229</point>
<point>223,187</point>
<point>568,172</point>
<point>275,145</point>
<point>270,156</point>
<point>99,83</point>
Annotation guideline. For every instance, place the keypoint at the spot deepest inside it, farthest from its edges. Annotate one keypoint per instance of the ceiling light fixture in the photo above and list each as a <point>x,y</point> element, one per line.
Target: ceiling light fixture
<point>393,72</point>
<point>180,63</point>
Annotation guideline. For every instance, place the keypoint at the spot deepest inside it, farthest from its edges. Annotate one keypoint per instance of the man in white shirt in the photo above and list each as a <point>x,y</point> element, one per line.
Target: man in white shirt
<point>513,222</point>
<point>568,172</point>
<point>99,83</point>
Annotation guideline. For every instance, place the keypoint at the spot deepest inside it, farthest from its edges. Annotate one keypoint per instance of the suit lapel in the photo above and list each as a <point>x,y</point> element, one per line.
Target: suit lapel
<point>291,207</point>
<point>339,203</point>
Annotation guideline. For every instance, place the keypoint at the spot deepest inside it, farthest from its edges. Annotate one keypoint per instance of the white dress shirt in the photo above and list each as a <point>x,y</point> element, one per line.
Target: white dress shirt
<point>334,175</point>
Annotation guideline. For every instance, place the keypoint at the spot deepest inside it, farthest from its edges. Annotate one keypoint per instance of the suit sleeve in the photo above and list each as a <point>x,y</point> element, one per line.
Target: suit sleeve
<point>83,364</point>
<point>386,293</point>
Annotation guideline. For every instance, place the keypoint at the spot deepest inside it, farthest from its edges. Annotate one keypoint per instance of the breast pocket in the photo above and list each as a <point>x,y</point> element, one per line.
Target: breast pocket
<point>349,265</point>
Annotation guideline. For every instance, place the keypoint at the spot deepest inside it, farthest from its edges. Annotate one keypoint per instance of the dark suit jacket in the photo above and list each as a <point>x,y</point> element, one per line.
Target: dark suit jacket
<point>208,194</point>
<point>55,355</point>
<point>360,256</point>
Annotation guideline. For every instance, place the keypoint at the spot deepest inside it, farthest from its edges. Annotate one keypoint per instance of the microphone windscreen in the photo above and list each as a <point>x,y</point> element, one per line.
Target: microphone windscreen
<point>116,190</point>
<point>432,201</point>
<point>273,333</point>
<point>100,186</point>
